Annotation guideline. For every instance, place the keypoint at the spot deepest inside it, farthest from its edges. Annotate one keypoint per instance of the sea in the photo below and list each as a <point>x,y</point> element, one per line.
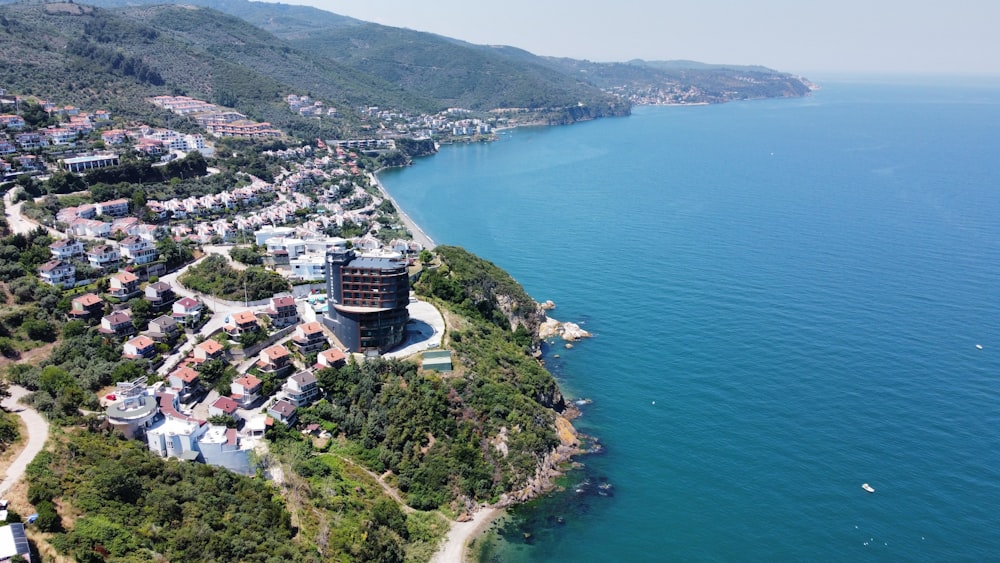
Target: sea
<point>789,298</point>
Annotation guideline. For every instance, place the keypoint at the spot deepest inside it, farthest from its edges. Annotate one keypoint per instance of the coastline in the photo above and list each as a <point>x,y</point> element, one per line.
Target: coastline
<point>418,234</point>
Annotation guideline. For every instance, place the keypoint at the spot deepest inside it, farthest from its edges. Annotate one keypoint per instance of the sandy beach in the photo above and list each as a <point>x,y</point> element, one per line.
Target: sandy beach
<point>461,533</point>
<point>418,234</point>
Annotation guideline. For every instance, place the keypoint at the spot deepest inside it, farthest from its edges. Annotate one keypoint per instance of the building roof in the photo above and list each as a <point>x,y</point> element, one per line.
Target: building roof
<point>164,321</point>
<point>303,378</point>
<point>244,317</point>
<point>118,317</point>
<point>63,243</point>
<point>282,408</point>
<point>185,374</point>
<point>125,277</point>
<point>52,265</point>
<point>210,347</point>
<point>160,286</point>
<point>275,352</point>
<point>13,541</point>
<point>225,404</point>
<point>333,355</point>
<point>310,328</point>
<point>87,299</point>
<point>141,342</point>
<point>247,381</point>
<point>188,302</point>
<point>286,301</point>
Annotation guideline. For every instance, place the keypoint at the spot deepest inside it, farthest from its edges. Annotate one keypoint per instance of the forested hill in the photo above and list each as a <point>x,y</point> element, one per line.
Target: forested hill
<point>96,57</point>
<point>459,74</point>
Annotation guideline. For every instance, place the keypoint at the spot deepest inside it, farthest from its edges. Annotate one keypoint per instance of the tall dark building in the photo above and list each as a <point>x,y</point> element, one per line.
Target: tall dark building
<point>367,299</point>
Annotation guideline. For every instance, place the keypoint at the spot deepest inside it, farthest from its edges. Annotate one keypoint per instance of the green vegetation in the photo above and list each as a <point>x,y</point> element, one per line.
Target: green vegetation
<point>137,507</point>
<point>214,276</point>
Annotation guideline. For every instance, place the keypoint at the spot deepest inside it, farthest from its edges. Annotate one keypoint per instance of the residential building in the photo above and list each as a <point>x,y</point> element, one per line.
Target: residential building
<point>283,411</point>
<point>238,323</point>
<point>302,388</point>
<point>114,136</point>
<point>245,390</point>
<point>113,208</point>
<point>160,295</point>
<point>294,246</point>
<point>175,434</point>
<point>58,273</point>
<point>276,360</point>
<point>139,347</point>
<point>60,136</point>
<point>332,358</point>
<point>118,323</point>
<point>162,328</point>
<point>29,141</point>
<point>224,406</point>
<point>283,311</point>
<point>12,122</point>
<point>90,228</point>
<point>184,382</point>
<point>138,250</point>
<point>14,542</point>
<point>134,409</point>
<point>223,447</point>
<point>104,256</point>
<point>188,310</point>
<point>307,267</point>
<point>66,248</point>
<point>208,350</point>
<point>124,285</point>
<point>86,307</point>
<point>309,337</point>
<point>368,298</point>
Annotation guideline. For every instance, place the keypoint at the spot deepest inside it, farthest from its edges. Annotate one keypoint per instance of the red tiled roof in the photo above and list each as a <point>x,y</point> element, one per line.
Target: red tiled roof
<point>247,381</point>
<point>244,317</point>
<point>141,342</point>
<point>226,405</point>
<point>311,328</point>
<point>126,277</point>
<point>186,374</point>
<point>283,301</point>
<point>275,352</point>
<point>210,347</point>
<point>87,299</point>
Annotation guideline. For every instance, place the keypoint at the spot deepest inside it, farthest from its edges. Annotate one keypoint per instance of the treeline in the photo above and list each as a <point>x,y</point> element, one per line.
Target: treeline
<point>133,506</point>
<point>141,171</point>
<point>114,60</point>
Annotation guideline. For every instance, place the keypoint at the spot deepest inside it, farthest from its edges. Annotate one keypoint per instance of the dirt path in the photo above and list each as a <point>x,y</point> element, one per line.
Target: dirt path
<point>38,434</point>
<point>389,489</point>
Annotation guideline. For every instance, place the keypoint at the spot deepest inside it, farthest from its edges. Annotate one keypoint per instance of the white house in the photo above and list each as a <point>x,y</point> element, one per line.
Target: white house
<point>58,273</point>
<point>66,248</point>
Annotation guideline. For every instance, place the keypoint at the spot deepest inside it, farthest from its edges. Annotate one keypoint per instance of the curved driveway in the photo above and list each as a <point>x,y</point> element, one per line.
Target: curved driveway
<point>38,434</point>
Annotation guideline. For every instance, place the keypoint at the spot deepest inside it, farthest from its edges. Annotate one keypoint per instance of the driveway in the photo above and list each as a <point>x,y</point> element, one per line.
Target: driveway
<point>38,434</point>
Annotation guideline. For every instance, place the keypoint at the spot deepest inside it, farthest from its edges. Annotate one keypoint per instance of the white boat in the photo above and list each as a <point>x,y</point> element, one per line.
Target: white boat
<point>980,346</point>
<point>868,488</point>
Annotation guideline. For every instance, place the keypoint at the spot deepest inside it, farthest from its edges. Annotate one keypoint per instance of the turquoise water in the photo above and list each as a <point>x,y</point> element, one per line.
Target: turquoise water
<point>786,296</point>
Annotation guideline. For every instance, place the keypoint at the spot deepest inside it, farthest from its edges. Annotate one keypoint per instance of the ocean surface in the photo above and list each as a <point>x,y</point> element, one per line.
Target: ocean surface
<point>786,297</point>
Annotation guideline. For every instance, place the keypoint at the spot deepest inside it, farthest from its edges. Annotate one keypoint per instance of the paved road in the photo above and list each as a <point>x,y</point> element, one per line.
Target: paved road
<point>38,434</point>
<point>20,224</point>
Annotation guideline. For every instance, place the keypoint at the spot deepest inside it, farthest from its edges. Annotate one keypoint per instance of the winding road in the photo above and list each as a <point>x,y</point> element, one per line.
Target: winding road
<point>38,434</point>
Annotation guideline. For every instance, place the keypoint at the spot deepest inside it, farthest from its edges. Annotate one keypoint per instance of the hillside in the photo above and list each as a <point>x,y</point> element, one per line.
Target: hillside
<point>95,57</point>
<point>460,74</point>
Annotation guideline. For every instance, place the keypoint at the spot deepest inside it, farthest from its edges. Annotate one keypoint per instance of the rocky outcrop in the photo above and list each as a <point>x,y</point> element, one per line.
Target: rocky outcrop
<point>549,468</point>
<point>569,332</point>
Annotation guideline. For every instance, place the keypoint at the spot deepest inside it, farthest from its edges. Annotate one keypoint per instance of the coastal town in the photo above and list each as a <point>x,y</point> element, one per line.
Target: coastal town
<point>212,376</point>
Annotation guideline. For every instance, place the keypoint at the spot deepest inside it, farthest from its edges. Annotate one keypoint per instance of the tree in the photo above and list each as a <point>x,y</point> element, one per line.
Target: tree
<point>142,312</point>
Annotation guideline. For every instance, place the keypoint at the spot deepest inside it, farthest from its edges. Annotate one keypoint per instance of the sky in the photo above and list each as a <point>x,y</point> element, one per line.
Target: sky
<point>803,36</point>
